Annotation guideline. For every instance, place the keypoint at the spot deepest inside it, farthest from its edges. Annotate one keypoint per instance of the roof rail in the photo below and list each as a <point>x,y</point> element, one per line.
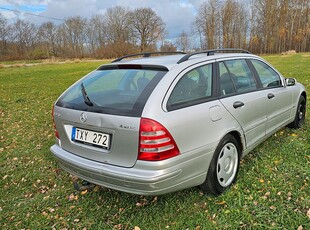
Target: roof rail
<point>211,52</point>
<point>145,54</point>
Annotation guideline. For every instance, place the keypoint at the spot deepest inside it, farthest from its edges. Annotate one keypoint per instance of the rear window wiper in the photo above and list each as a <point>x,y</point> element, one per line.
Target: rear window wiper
<point>85,96</point>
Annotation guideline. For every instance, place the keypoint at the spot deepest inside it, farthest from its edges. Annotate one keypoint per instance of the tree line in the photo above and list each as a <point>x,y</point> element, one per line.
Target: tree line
<point>263,26</point>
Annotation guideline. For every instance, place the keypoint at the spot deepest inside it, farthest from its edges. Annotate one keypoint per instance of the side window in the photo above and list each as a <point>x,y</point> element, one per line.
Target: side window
<point>194,85</point>
<point>268,77</point>
<point>236,76</point>
<point>226,83</point>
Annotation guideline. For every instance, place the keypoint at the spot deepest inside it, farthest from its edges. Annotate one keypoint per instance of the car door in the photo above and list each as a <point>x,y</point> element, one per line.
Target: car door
<point>279,98</point>
<point>239,94</point>
<point>195,118</point>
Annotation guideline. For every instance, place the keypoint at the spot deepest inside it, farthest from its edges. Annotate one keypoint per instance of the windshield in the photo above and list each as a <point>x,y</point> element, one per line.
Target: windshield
<point>112,91</point>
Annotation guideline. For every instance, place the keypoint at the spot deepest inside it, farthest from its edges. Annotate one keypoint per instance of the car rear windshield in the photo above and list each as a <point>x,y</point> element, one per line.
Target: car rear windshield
<point>120,90</point>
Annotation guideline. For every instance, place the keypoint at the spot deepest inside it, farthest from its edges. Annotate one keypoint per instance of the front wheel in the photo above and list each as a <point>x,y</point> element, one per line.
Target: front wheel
<point>224,166</point>
<point>300,114</point>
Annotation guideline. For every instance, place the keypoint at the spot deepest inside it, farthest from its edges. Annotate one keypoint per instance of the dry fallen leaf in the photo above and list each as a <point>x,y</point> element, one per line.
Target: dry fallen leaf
<point>142,202</point>
<point>44,213</point>
<point>73,197</point>
<point>118,226</point>
<point>221,202</point>
<point>84,192</point>
<point>267,194</point>
<point>272,207</point>
<point>289,194</point>
<point>138,204</point>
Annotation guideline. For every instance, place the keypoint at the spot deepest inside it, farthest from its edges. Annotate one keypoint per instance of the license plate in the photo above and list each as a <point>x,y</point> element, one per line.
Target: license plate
<point>90,137</point>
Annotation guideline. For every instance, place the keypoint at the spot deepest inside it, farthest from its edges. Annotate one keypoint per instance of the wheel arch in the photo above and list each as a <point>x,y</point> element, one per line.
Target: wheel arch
<point>304,94</point>
<point>239,139</point>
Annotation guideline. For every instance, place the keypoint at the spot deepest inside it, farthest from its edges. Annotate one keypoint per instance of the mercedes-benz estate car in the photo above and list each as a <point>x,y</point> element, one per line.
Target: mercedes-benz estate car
<point>154,124</point>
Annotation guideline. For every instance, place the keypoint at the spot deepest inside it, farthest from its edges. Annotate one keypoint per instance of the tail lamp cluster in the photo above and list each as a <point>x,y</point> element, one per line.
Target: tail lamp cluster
<point>156,143</point>
<point>56,132</point>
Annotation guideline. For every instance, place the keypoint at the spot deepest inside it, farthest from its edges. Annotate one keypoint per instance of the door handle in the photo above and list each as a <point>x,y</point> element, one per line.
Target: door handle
<point>270,95</point>
<point>238,104</point>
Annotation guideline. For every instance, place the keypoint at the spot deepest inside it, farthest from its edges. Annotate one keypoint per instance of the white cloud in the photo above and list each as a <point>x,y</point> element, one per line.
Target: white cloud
<point>178,15</point>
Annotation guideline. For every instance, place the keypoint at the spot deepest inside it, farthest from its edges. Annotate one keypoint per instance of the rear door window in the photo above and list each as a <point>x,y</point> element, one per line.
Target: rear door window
<point>113,91</point>
<point>236,77</point>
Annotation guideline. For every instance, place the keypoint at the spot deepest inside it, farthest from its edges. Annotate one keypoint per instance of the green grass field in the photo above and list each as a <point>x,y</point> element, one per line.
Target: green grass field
<point>272,190</point>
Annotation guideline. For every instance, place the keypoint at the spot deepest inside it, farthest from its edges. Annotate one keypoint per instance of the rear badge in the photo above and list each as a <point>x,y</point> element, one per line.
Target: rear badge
<point>83,117</point>
<point>127,127</point>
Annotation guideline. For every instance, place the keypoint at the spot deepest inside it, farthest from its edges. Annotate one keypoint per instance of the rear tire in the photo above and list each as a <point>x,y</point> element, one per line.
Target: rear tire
<point>300,114</point>
<point>224,166</point>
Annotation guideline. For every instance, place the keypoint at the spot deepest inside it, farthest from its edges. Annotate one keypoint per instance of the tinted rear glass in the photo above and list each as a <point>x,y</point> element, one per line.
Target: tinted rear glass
<point>112,91</point>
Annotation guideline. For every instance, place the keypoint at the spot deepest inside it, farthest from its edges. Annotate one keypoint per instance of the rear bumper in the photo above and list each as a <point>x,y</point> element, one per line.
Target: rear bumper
<point>145,178</point>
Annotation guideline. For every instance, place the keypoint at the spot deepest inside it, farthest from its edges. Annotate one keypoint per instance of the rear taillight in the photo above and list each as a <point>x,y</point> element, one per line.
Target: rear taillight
<point>56,132</point>
<point>156,143</point>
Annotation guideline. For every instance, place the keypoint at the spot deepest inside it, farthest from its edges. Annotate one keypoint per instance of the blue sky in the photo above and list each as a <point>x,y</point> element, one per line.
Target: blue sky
<point>178,15</point>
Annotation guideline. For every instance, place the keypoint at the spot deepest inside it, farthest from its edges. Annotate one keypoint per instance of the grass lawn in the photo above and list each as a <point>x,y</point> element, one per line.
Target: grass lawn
<point>272,190</point>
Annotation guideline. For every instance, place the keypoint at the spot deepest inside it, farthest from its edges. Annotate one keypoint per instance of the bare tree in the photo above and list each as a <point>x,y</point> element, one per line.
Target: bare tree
<point>234,24</point>
<point>183,42</point>
<point>222,24</point>
<point>207,22</point>
<point>167,47</point>
<point>96,34</point>
<point>118,24</point>
<point>119,31</point>
<point>5,30</point>
<point>148,27</point>
<point>48,34</point>
<point>73,36</point>
<point>24,34</point>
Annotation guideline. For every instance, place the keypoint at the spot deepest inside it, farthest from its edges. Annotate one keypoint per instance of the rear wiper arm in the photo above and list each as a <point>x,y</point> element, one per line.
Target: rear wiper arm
<point>85,96</point>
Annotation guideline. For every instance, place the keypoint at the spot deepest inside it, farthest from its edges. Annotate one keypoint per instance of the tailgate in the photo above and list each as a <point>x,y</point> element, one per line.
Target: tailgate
<point>100,137</point>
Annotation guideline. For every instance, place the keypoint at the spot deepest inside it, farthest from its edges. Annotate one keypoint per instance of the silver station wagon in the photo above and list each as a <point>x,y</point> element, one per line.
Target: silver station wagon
<point>152,124</point>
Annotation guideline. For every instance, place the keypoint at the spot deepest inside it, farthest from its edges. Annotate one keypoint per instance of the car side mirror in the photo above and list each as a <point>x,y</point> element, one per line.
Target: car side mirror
<point>290,81</point>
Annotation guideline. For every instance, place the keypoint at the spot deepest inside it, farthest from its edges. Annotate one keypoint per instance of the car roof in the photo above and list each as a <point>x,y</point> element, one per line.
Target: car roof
<point>170,61</point>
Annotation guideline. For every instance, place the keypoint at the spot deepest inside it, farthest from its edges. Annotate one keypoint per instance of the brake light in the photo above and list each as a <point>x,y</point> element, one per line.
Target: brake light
<point>156,143</point>
<point>56,132</point>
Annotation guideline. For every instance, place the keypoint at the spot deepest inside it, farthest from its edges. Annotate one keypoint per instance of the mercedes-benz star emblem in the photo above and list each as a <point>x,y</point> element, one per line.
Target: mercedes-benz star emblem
<point>83,117</point>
